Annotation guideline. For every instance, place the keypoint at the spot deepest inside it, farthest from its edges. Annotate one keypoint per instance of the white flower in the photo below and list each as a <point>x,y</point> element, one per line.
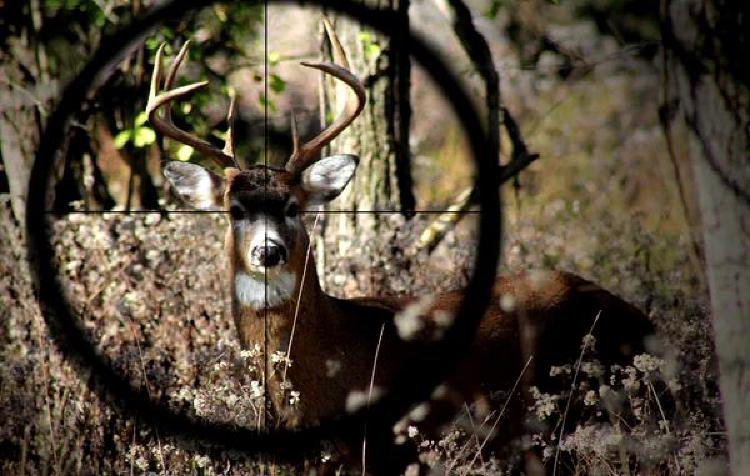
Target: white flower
<point>332,367</point>
<point>590,398</point>
<point>293,397</point>
<point>256,389</point>
<point>419,412</point>
<point>630,382</point>
<point>556,370</point>
<point>507,303</point>
<point>442,318</point>
<point>152,219</point>
<point>547,452</point>
<point>647,363</point>
<point>588,342</point>
<point>248,353</point>
<point>409,320</point>
<point>141,463</point>
<point>358,398</point>
<point>199,403</point>
<point>201,461</point>
<point>592,368</point>
<point>279,356</point>
<point>219,366</point>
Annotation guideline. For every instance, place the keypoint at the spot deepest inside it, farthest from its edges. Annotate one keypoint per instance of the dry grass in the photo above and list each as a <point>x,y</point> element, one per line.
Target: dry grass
<point>150,291</point>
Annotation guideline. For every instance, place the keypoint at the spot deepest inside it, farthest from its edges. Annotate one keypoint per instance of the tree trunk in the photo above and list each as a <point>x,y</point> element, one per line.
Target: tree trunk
<point>707,45</point>
<point>19,134</point>
<point>25,95</point>
<point>30,82</point>
<point>380,136</point>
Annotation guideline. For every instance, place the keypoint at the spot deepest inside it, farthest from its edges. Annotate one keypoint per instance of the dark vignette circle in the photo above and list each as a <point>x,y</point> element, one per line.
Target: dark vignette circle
<point>417,379</point>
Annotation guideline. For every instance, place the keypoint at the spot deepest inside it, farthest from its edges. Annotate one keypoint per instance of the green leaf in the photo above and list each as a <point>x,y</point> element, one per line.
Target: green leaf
<point>141,118</point>
<point>494,8</point>
<point>144,136</point>
<point>152,44</point>
<point>184,152</point>
<point>274,57</point>
<point>122,138</point>
<point>266,102</point>
<point>100,19</point>
<point>370,47</point>
<point>372,50</point>
<point>221,13</point>
<point>277,84</point>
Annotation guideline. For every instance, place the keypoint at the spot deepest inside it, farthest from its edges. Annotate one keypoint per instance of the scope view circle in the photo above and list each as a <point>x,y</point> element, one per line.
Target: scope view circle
<point>424,374</point>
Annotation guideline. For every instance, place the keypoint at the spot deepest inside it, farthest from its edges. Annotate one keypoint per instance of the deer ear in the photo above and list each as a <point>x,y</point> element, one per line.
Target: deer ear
<point>196,186</point>
<point>325,179</point>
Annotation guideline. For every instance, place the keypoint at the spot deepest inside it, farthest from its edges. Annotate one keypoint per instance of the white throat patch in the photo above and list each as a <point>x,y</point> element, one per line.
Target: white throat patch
<point>255,291</point>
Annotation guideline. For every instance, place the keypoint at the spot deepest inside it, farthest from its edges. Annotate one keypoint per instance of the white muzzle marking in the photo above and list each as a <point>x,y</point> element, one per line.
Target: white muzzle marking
<point>259,290</point>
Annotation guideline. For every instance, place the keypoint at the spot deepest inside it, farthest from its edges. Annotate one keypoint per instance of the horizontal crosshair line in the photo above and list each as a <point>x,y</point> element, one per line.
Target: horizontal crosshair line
<point>223,212</point>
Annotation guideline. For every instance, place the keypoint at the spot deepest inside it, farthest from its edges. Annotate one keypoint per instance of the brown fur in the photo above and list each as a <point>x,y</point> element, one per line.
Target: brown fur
<point>539,314</point>
<point>546,315</point>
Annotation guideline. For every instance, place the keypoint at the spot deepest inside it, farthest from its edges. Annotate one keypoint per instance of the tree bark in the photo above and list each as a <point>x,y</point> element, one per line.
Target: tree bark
<point>24,100</point>
<point>30,79</point>
<point>707,45</point>
<point>380,136</point>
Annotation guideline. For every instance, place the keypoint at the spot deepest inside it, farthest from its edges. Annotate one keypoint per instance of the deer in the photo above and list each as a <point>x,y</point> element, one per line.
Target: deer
<point>331,342</point>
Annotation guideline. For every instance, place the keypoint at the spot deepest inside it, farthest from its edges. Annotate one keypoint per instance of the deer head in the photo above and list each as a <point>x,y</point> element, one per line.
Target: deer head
<point>266,237</point>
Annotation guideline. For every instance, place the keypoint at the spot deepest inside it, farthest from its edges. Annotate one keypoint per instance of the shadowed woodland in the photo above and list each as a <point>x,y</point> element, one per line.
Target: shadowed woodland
<point>622,136</point>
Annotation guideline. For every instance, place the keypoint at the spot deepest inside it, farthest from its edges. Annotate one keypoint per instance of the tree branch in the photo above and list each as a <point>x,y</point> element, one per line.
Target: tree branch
<point>478,50</point>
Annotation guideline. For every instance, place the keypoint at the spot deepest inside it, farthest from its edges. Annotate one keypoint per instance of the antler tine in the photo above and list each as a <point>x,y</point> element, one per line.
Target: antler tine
<point>306,154</point>
<point>163,124</point>
<point>231,115</point>
<point>295,134</point>
<point>339,57</point>
<point>169,80</point>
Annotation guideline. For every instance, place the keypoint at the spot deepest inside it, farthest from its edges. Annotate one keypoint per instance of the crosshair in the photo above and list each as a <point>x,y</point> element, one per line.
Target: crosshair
<point>417,379</point>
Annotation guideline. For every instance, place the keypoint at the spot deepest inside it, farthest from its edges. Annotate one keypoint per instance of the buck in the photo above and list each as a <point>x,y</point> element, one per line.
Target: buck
<point>332,342</point>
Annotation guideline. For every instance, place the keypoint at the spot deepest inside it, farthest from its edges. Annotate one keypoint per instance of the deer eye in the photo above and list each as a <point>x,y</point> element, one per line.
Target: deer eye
<point>292,210</point>
<point>236,212</point>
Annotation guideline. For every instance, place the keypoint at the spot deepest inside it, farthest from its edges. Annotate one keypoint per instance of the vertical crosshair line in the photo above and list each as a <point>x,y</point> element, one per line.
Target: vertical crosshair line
<point>266,356</point>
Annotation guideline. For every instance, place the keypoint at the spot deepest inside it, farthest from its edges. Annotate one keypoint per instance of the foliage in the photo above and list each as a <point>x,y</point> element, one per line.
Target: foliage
<point>63,34</point>
<point>370,46</point>
<point>153,295</point>
<point>140,135</point>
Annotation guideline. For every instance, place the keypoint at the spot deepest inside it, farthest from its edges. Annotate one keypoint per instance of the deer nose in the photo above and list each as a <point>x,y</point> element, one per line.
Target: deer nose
<point>269,255</point>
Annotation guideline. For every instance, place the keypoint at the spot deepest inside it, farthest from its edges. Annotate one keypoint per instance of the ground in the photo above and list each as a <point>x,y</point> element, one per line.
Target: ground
<point>602,202</point>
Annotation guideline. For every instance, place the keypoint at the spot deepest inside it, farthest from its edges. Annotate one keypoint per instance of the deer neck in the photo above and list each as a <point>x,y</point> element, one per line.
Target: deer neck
<point>265,305</point>
<point>296,313</point>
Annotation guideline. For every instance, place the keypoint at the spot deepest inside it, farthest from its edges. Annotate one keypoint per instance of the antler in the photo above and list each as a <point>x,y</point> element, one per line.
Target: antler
<point>304,155</point>
<point>164,124</point>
